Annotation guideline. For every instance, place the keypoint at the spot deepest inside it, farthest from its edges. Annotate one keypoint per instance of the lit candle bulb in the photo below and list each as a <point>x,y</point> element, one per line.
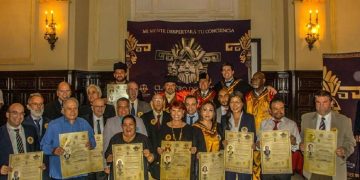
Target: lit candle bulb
<point>317,17</point>
<point>310,12</point>
<point>46,16</point>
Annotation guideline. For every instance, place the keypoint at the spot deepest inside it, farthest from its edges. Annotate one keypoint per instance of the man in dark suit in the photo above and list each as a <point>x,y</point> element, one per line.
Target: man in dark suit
<point>94,92</point>
<point>52,109</point>
<point>137,107</point>
<point>15,138</point>
<point>191,104</point>
<point>153,121</point>
<point>35,118</point>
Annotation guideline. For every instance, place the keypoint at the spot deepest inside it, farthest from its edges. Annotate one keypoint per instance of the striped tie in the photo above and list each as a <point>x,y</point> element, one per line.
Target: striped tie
<point>322,124</point>
<point>19,142</point>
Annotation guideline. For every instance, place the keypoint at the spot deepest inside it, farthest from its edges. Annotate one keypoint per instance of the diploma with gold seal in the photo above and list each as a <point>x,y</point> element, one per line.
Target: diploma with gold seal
<point>319,152</point>
<point>175,160</point>
<point>238,152</point>
<point>26,166</point>
<point>211,165</point>
<point>128,161</point>
<point>276,152</point>
<point>96,155</point>
<point>116,91</point>
<point>76,158</point>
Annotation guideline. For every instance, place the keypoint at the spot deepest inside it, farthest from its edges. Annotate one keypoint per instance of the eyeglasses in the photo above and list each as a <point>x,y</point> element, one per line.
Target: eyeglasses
<point>37,104</point>
<point>15,113</point>
<point>98,106</point>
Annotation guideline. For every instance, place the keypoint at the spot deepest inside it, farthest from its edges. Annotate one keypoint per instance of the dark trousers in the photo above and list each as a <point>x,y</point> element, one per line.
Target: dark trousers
<point>241,176</point>
<point>276,176</point>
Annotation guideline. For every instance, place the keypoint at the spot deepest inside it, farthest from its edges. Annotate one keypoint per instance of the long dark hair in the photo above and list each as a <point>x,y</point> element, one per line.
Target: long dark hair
<point>213,120</point>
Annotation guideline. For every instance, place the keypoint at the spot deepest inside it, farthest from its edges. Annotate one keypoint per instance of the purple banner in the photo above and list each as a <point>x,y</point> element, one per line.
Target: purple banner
<point>341,77</point>
<point>155,49</point>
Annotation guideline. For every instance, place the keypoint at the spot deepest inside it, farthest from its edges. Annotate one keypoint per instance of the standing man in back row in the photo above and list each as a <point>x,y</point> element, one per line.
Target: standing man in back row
<point>53,109</point>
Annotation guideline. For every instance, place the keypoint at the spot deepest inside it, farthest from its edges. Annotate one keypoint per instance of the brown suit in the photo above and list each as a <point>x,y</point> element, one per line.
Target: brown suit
<point>345,138</point>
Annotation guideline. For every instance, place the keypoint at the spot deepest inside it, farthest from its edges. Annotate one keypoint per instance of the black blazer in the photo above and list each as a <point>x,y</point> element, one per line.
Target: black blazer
<point>30,122</point>
<point>6,146</point>
<point>52,110</point>
<point>152,129</point>
<point>247,120</point>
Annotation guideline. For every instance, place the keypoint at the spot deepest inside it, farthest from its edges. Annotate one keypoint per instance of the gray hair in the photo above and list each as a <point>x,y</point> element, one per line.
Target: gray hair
<point>71,99</point>
<point>34,95</point>
<point>96,87</point>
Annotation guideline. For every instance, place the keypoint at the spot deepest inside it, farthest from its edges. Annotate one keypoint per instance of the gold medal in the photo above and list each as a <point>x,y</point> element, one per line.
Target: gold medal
<point>244,129</point>
<point>30,140</point>
<point>168,137</point>
<point>46,125</point>
<point>153,121</point>
<point>139,114</point>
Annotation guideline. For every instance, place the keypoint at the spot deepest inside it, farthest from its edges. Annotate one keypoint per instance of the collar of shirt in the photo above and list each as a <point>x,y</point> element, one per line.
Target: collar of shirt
<point>196,117</point>
<point>11,128</point>
<point>34,118</point>
<point>232,123</point>
<point>204,93</point>
<point>229,82</point>
<point>155,113</point>
<point>169,97</point>
<point>327,121</point>
<point>134,102</point>
<point>258,94</point>
<point>224,110</point>
<point>96,118</point>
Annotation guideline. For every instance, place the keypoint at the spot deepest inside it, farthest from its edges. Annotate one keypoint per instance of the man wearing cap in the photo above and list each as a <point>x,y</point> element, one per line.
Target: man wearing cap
<point>120,73</point>
<point>170,92</point>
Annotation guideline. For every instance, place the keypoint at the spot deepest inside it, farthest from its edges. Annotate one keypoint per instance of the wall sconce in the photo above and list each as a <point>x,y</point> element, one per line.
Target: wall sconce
<point>50,33</point>
<point>312,30</point>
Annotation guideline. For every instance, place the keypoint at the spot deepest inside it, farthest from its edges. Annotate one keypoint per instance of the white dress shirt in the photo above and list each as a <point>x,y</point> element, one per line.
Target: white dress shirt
<point>12,135</point>
<point>95,118</point>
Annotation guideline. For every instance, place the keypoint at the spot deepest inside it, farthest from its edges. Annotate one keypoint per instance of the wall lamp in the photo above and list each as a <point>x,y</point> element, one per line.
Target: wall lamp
<point>312,30</point>
<point>50,33</point>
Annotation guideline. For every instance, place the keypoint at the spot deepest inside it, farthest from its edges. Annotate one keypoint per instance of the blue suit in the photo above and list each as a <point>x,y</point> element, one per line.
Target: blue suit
<point>6,146</point>
<point>28,120</point>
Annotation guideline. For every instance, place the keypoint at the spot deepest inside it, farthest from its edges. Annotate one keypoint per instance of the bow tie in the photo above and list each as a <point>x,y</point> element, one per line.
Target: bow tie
<point>229,82</point>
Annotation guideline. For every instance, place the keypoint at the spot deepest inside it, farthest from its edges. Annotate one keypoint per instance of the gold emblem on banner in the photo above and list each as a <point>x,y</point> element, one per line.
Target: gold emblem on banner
<point>331,83</point>
<point>132,47</point>
<point>243,46</point>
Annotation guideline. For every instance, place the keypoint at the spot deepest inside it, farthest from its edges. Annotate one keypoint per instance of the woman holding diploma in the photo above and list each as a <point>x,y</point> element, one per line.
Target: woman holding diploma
<point>237,119</point>
<point>129,136</point>
<point>206,130</point>
<point>176,130</point>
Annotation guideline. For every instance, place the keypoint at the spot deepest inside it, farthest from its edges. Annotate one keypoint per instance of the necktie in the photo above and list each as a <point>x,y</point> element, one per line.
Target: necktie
<point>191,119</point>
<point>158,121</point>
<point>322,124</point>
<point>132,112</point>
<point>276,125</point>
<point>19,142</point>
<point>98,126</point>
<point>37,122</point>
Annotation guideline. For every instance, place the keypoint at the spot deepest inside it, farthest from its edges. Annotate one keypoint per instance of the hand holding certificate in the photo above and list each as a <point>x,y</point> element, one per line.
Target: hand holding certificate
<point>239,152</point>
<point>76,158</point>
<point>26,166</point>
<point>175,160</point>
<point>128,161</point>
<point>276,152</point>
<point>319,153</point>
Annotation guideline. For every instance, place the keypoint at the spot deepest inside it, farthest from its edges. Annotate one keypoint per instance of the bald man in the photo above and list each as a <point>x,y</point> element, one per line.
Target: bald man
<point>15,138</point>
<point>53,109</point>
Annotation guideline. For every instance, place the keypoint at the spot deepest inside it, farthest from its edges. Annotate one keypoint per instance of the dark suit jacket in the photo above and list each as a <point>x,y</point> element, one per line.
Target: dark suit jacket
<point>142,107</point>
<point>6,146</point>
<point>52,110</point>
<point>152,129</point>
<point>247,120</point>
<point>90,118</point>
<point>85,112</point>
<point>28,120</point>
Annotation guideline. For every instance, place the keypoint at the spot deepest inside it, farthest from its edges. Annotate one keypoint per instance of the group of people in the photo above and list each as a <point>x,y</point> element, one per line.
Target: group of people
<point>201,116</point>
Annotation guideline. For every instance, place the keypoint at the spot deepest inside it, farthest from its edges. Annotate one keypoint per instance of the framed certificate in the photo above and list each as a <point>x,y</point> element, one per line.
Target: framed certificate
<point>211,165</point>
<point>76,158</point>
<point>128,161</point>
<point>175,160</point>
<point>276,152</point>
<point>116,91</point>
<point>26,166</point>
<point>238,152</point>
<point>319,153</point>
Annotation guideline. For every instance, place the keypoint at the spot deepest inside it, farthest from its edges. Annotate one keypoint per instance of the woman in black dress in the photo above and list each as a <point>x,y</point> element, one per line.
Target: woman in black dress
<point>177,129</point>
<point>129,136</point>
